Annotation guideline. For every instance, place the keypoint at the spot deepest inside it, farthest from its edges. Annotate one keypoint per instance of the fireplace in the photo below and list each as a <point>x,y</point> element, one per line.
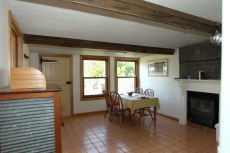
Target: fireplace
<point>203,108</point>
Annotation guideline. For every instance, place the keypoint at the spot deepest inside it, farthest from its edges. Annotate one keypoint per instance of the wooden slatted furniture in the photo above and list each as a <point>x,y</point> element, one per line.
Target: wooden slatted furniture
<point>138,90</point>
<point>148,92</point>
<point>118,108</point>
<point>109,106</point>
<point>27,78</point>
<point>135,103</point>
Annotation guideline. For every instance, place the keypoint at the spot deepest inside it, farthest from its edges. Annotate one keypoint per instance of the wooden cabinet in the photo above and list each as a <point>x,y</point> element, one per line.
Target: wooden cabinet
<point>30,120</point>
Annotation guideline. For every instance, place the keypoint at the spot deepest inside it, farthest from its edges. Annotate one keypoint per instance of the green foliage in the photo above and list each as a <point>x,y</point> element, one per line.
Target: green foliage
<point>98,69</point>
<point>125,69</point>
<point>94,68</point>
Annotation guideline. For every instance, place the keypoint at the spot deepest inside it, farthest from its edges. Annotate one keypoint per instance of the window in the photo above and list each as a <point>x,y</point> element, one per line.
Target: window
<point>127,74</point>
<point>94,75</point>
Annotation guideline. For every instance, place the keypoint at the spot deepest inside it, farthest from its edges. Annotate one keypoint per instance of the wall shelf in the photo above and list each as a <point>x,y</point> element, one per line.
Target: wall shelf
<point>210,59</point>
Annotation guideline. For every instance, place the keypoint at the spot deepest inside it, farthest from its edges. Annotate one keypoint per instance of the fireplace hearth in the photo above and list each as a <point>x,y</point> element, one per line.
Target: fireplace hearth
<point>203,108</point>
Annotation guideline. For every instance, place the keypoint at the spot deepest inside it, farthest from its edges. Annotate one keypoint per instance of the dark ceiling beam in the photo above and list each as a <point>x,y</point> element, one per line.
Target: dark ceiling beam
<point>141,10</point>
<point>76,43</point>
<point>154,12</point>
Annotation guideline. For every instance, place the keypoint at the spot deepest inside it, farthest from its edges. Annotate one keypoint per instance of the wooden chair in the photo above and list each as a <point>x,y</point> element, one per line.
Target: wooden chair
<point>109,107</point>
<point>138,90</point>
<point>118,108</point>
<point>147,92</point>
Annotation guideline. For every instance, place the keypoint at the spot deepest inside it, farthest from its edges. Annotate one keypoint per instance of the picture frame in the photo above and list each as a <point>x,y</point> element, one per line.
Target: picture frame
<point>158,68</point>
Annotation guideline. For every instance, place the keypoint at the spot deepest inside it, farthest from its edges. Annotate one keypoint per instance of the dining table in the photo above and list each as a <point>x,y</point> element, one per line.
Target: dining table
<point>137,101</point>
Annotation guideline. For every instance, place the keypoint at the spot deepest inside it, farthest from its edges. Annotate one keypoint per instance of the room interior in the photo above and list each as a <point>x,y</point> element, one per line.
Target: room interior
<point>46,24</point>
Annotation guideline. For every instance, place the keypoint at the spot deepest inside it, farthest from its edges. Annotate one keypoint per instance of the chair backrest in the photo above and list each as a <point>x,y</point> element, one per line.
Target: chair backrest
<point>107,97</point>
<point>149,92</point>
<point>116,100</point>
<point>139,90</point>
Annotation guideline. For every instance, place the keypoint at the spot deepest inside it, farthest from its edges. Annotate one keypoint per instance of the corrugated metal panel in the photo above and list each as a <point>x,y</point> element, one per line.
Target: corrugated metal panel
<point>27,125</point>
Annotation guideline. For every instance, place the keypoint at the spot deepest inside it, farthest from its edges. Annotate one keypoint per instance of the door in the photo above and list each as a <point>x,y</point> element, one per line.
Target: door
<point>57,71</point>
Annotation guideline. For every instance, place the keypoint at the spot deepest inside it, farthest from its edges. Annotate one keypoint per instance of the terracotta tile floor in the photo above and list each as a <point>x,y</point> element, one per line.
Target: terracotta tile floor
<point>95,134</point>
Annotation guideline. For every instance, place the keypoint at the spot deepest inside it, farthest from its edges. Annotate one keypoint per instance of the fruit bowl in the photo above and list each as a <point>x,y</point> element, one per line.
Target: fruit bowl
<point>130,93</point>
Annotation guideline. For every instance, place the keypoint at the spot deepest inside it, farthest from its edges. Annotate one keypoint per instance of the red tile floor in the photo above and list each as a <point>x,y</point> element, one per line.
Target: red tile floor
<point>92,133</point>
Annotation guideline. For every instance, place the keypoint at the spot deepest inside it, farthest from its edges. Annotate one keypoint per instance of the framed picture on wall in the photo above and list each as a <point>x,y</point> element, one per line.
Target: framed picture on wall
<point>158,68</point>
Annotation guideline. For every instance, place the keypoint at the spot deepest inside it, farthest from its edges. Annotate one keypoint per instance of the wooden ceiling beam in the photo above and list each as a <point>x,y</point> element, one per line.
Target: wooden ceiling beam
<point>153,12</point>
<point>76,43</point>
<point>141,10</point>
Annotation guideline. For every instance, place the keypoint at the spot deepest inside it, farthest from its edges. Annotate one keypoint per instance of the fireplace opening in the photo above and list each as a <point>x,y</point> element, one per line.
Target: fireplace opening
<point>203,108</point>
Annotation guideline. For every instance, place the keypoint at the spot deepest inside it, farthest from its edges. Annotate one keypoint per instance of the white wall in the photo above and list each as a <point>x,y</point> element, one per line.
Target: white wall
<point>4,55</point>
<point>165,88</point>
<point>92,105</point>
<point>78,105</point>
<point>26,62</point>
<point>34,60</point>
<point>224,143</point>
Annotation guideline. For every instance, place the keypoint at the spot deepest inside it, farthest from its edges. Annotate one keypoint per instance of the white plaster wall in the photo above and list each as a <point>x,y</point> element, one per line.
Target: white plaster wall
<point>26,62</point>
<point>92,105</point>
<point>4,56</point>
<point>34,60</point>
<point>79,106</point>
<point>224,143</point>
<point>112,76</point>
<point>165,88</point>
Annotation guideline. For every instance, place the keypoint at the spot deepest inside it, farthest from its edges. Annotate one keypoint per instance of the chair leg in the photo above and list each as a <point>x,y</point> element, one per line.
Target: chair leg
<point>106,112</point>
<point>140,113</point>
<point>121,118</point>
<point>122,115</point>
<point>150,113</point>
<point>111,114</point>
<point>110,119</point>
<point>130,115</point>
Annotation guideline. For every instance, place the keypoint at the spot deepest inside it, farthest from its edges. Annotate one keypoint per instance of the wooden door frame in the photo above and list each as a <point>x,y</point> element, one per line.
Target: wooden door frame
<point>71,74</point>
<point>13,27</point>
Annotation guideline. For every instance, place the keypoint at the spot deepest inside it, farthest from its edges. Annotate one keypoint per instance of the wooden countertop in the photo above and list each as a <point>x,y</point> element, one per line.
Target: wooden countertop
<point>49,88</point>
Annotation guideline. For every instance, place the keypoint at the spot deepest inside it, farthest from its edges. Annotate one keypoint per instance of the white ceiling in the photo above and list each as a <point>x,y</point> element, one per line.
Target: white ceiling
<point>207,9</point>
<point>58,22</point>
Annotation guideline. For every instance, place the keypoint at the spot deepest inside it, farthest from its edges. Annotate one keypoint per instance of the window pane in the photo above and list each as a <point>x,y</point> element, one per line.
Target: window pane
<point>94,68</point>
<point>126,85</point>
<point>125,69</point>
<point>94,86</point>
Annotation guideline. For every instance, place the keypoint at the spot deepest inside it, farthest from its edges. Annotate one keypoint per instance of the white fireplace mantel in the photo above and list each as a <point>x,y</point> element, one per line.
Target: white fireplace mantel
<point>208,86</point>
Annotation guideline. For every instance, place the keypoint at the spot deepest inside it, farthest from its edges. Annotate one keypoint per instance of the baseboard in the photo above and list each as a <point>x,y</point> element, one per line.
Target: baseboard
<point>170,117</point>
<point>90,113</point>
<point>103,111</point>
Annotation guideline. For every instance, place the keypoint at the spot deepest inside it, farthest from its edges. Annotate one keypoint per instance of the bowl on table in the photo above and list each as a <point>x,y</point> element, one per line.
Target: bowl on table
<point>130,93</point>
